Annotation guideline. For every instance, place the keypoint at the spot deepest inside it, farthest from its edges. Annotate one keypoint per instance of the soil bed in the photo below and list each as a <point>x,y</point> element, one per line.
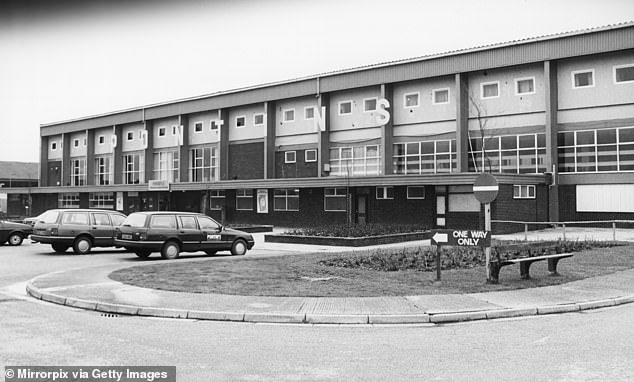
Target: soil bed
<point>307,275</point>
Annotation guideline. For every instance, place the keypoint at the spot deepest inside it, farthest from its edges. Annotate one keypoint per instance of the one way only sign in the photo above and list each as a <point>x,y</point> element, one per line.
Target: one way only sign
<point>462,238</point>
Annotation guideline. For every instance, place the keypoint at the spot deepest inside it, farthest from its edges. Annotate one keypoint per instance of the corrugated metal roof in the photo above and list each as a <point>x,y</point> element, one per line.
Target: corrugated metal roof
<point>469,59</point>
<point>19,170</point>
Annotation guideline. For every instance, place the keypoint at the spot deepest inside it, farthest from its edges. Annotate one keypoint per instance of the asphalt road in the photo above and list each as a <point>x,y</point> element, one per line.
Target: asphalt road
<point>588,346</point>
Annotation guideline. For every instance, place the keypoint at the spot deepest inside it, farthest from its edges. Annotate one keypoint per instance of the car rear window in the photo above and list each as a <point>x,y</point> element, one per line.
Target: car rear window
<point>163,221</point>
<point>75,218</point>
<point>48,217</point>
<point>135,220</point>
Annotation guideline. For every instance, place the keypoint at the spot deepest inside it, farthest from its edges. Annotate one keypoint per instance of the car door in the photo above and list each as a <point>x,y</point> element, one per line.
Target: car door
<point>4,232</point>
<point>74,223</point>
<point>210,234</point>
<point>189,233</point>
<point>102,229</point>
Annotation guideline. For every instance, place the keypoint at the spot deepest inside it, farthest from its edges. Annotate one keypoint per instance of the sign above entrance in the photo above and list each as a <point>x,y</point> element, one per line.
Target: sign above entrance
<point>485,188</point>
<point>462,238</point>
<point>158,185</point>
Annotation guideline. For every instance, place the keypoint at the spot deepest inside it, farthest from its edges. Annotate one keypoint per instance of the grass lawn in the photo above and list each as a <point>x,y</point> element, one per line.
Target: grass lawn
<point>303,275</point>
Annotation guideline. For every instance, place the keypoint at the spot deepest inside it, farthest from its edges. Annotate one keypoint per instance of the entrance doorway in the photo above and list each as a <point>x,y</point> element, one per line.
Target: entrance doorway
<point>441,210</point>
<point>362,208</point>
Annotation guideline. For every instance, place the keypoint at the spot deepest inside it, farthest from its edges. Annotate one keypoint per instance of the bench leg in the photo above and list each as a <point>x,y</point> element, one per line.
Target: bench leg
<point>552,266</point>
<point>495,272</point>
<point>524,269</point>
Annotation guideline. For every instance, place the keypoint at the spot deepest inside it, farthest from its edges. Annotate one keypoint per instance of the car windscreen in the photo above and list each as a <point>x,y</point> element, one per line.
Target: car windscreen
<point>134,220</point>
<point>48,217</point>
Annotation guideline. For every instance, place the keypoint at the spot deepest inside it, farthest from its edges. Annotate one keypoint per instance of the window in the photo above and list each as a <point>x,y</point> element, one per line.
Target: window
<point>290,157</point>
<point>369,104</point>
<point>208,224</point>
<point>117,219</point>
<point>286,199</point>
<point>524,86</point>
<point>288,115</point>
<point>161,131</point>
<point>415,192</point>
<point>523,191</point>
<point>213,125</point>
<point>76,142</point>
<point>130,135</point>
<point>244,200</point>
<point>310,156</point>
<point>174,129</point>
<point>78,172</point>
<point>624,74</point>
<point>463,203</point>
<point>335,199</point>
<point>84,142</point>
<point>513,154</point>
<point>188,222</point>
<point>411,99</point>
<point>258,119</point>
<point>384,193</point>
<point>440,96</point>
<point>81,218</point>
<point>167,165</point>
<point>345,107</point>
<point>103,171</point>
<point>102,139</point>
<point>309,112</point>
<point>240,121</point>
<point>198,127</point>
<point>489,90</point>
<point>101,219</point>
<point>598,150</point>
<point>53,146</point>
<point>355,161</point>
<point>216,199</point>
<point>428,157</point>
<point>134,168</point>
<point>583,79</point>
<point>68,200</point>
<point>101,200</point>
<point>163,221</point>
<point>203,164</point>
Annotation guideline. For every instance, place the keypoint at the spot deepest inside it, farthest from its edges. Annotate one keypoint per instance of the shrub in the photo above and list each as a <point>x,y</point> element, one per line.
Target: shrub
<point>357,230</point>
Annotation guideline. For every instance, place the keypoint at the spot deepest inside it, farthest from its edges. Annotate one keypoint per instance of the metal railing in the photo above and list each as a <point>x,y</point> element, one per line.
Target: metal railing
<point>563,225</point>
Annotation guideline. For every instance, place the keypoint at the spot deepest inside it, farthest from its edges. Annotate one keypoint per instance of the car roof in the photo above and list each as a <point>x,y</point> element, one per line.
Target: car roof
<point>168,213</point>
<point>84,210</point>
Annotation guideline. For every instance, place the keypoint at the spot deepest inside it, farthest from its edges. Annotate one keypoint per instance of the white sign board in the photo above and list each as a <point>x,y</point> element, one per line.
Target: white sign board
<point>263,201</point>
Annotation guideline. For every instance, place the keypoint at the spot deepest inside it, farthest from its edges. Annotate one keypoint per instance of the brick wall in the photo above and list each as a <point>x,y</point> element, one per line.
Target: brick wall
<point>401,210</point>
<point>300,169</point>
<point>506,208</point>
<point>246,161</point>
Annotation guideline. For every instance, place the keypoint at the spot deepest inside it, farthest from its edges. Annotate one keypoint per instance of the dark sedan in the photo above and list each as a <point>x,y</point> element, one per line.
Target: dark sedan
<point>13,233</point>
<point>174,232</point>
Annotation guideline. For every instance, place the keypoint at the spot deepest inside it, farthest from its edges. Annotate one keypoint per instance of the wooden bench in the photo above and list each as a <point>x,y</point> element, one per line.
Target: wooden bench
<point>525,264</point>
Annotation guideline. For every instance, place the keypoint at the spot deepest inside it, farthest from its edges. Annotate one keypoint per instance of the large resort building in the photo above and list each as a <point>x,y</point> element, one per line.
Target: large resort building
<point>401,142</point>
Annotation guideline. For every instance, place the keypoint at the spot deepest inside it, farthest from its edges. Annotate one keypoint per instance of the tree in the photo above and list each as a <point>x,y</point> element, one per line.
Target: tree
<point>482,119</point>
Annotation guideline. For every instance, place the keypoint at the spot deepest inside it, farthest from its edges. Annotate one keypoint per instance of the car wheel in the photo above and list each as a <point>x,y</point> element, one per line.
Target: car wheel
<point>59,248</point>
<point>170,250</point>
<point>239,247</point>
<point>15,239</point>
<point>210,252</point>
<point>82,245</point>
<point>143,254</point>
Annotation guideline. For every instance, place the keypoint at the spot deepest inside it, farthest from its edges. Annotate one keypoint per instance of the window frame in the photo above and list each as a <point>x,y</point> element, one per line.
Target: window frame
<point>339,113</point>
<point>216,194</point>
<point>574,72</point>
<point>517,81</point>
<point>416,197</point>
<point>376,104</point>
<point>433,96</point>
<point>524,187</point>
<point>53,146</point>
<point>101,140</point>
<point>130,136</point>
<point>286,198</point>
<point>284,111</point>
<point>75,142</point>
<point>614,69</point>
<point>258,115</point>
<point>309,108</point>
<point>162,131</point>
<point>239,196</point>
<point>306,156</point>
<point>202,127</point>
<point>385,194</point>
<point>335,195</point>
<point>244,121</point>
<point>286,158</point>
<point>483,84</point>
<point>417,94</point>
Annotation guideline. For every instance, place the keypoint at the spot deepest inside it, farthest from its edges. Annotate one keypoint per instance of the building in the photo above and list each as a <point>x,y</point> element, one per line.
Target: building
<point>16,174</point>
<point>400,142</point>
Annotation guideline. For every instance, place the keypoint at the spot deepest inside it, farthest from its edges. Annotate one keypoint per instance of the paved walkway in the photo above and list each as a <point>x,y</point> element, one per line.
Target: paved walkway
<point>90,288</point>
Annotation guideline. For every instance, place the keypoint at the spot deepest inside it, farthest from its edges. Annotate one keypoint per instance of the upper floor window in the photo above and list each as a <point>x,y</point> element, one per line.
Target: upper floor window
<point>130,135</point>
<point>78,172</point>
<point>440,96</point>
<point>288,115</point>
<point>345,107</point>
<point>102,139</point>
<point>490,89</point>
<point>524,86</point>
<point>53,146</point>
<point>369,104</point>
<point>198,127</point>
<point>103,171</point>
<point>161,131</point>
<point>309,112</point>
<point>624,74</point>
<point>583,79</point>
<point>241,121</point>
<point>134,168</point>
<point>76,143</point>
<point>258,119</point>
<point>290,157</point>
<point>310,156</point>
<point>203,164</point>
<point>411,99</point>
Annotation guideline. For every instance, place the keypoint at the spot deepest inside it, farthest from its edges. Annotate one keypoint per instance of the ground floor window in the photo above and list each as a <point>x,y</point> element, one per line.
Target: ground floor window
<point>523,191</point>
<point>68,200</point>
<point>103,171</point>
<point>134,168</point>
<point>244,200</point>
<point>101,200</point>
<point>335,199</point>
<point>216,199</point>
<point>415,192</point>
<point>513,154</point>
<point>203,164</point>
<point>461,199</point>
<point>355,161</point>
<point>427,157</point>
<point>286,199</point>
<point>384,193</point>
<point>78,172</point>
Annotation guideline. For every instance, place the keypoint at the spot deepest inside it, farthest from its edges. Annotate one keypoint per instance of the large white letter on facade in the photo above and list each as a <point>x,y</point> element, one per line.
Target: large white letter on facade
<point>384,115</point>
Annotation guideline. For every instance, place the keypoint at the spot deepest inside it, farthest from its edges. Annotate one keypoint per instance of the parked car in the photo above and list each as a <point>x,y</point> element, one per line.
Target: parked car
<point>171,233</point>
<point>13,233</point>
<point>81,229</point>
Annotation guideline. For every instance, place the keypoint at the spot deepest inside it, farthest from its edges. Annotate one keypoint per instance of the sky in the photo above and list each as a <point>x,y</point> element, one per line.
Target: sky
<point>62,60</point>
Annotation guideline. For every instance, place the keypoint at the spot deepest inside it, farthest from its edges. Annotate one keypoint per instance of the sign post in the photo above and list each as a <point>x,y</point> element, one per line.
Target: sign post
<point>458,238</point>
<point>485,189</point>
